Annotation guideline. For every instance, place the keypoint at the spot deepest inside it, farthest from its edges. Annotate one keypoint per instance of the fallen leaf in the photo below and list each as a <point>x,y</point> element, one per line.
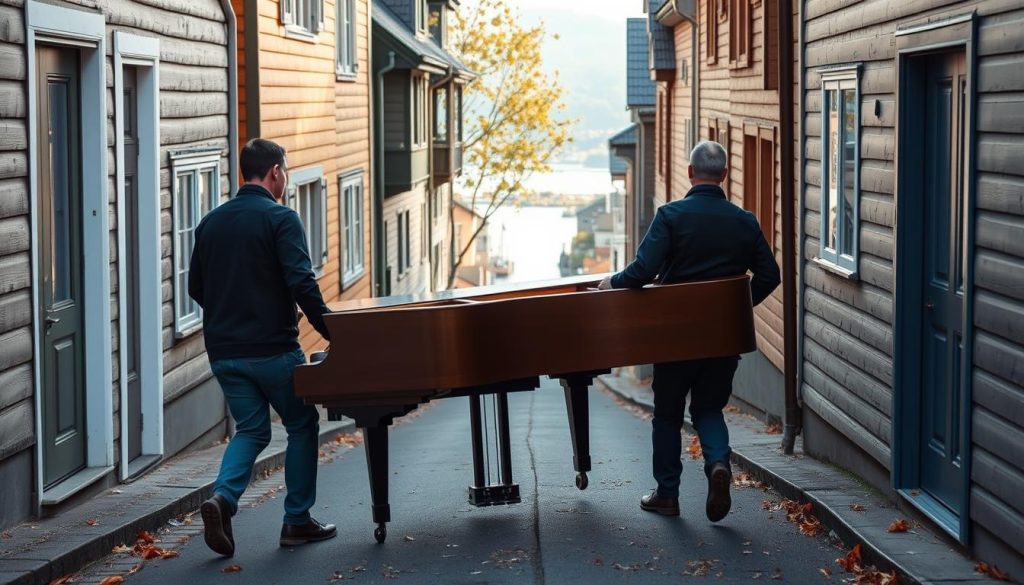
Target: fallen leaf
<point>851,562</point>
<point>337,576</point>
<point>409,538</point>
<point>231,569</point>
<point>6,535</point>
<point>62,580</point>
<point>773,429</point>
<point>857,507</point>
<point>135,569</point>
<point>981,567</point>
<point>900,525</point>
<point>694,449</point>
<point>121,549</point>
<point>998,575</point>
<point>145,537</point>
<point>112,580</point>
<point>92,522</point>
<point>825,571</point>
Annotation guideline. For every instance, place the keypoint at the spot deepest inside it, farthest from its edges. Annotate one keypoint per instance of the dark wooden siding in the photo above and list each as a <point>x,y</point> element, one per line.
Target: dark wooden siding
<point>17,429</point>
<point>848,326</point>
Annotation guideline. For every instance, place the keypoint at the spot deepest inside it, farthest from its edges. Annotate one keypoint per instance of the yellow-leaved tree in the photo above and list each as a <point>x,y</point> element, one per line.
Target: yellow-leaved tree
<point>513,112</point>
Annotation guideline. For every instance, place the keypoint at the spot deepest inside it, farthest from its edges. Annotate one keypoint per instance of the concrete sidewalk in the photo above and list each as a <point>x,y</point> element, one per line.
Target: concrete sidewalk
<point>919,555</point>
<point>40,551</point>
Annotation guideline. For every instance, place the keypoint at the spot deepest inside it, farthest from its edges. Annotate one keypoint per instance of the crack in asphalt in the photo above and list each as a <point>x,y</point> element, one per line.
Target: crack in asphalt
<point>538,559</point>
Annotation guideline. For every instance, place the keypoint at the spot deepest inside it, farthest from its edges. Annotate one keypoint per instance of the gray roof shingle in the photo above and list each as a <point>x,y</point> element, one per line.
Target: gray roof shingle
<point>640,89</point>
<point>616,165</point>
<point>393,25</point>
<point>663,42</point>
<point>625,137</point>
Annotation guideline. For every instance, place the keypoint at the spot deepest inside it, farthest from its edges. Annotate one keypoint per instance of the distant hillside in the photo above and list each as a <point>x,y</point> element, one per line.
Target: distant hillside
<point>591,59</point>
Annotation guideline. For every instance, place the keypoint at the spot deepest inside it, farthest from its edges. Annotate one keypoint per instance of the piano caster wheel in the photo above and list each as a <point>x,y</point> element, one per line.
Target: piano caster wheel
<point>380,532</point>
<point>581,481</point>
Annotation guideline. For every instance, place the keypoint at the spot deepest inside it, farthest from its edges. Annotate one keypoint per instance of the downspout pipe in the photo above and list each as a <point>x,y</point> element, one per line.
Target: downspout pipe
<point>378,199</point>
<point>233,146</point>
<point>788,126</point>
<point>672,9</point>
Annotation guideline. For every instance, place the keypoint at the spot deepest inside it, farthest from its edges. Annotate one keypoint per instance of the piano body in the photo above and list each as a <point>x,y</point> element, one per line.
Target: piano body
<point>389,355</point>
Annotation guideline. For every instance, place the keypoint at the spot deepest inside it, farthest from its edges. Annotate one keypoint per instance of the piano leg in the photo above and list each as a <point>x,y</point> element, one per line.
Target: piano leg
<point>375,439</point>
<point>578,408</point>
<point>481,493</point>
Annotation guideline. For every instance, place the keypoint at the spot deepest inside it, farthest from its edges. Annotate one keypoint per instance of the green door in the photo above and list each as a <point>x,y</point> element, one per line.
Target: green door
<point>60,264</point>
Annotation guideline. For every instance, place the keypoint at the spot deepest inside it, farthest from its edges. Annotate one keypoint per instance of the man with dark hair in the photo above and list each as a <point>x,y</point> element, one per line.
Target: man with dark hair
<point>250,267</point>
<point>699,237</point>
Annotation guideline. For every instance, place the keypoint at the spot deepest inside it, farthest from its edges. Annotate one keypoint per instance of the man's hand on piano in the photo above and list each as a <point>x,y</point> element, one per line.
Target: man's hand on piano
<point>606,283</point>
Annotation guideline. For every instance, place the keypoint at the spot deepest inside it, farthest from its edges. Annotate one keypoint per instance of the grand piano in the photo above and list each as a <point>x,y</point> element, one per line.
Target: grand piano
<point>391,354</point>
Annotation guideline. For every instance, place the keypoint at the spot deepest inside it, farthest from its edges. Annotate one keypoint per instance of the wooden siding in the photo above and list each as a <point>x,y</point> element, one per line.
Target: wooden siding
<point>737,95</point>
<point>682,109</point>
<point>17,429</point>
<point>848,335</point>
<point>417,278</point>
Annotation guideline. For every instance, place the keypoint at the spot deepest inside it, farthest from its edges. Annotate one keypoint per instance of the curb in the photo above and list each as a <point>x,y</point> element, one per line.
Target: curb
<point>80,552</point>
<point>848,533</point>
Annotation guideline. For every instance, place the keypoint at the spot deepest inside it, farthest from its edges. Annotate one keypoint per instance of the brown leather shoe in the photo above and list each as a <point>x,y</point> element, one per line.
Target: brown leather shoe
<point>312,531</point>
<point>719,500</point>
<point>216,513</point>
<point>664,506</point>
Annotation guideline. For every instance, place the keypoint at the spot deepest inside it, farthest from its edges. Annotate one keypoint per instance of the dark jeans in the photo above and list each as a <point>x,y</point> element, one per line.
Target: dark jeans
<point>709,384</point>
<point>251,386</point>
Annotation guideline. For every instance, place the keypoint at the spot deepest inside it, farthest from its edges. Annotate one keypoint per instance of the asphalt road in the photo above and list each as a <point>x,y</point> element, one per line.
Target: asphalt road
<point>558,534</point>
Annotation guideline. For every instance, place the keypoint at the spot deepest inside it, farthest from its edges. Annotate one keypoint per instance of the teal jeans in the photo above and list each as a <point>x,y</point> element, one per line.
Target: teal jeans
<point>251,386</point>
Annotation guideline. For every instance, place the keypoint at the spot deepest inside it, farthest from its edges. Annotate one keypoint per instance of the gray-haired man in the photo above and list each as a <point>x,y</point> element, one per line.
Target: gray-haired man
<point>698,237</point>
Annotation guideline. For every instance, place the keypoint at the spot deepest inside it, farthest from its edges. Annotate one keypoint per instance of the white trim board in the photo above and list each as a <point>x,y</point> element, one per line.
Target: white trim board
<point>85,30</point>
<point>143,53</point>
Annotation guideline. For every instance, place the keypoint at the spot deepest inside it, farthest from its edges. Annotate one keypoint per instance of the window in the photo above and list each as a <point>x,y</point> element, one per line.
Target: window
<point>759,177</point>
<point>840,183</point>
<point>718,131</point>
<point>421,16</point>
<point>771,44</point>
<point>457,112</point>
<point>711,31</point>
<point>303,18</point>
<point>419,112</point>
<point>345,44</point>
<point>424,232</point>
<point>196,190</point>
<point>439,26</point>
<point>307,195</point>
<point>353,241</point>
<point>404,245</point>
<point>441,115</point>
<point>739,33</point>
<point>666,132</point>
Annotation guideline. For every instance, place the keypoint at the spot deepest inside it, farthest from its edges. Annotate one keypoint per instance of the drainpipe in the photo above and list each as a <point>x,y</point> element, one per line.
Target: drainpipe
<point>229,14</point>
<point>788,126</point>
<point>378,199</point>
<point>694,72</point>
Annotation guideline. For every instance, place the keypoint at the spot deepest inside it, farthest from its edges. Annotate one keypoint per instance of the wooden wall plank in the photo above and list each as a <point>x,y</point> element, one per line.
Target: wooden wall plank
<point>999,357</point>
<point>873,446</point>
<point>15,385</point>
<point>17,428</point>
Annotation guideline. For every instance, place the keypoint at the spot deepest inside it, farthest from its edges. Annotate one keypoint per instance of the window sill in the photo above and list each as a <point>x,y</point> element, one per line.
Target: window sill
<point>299,33</point>
<point>350,279</point>
<point>188,331</point>
<point>74,484</point>
<point>347,76</point>
<point>836,269</point>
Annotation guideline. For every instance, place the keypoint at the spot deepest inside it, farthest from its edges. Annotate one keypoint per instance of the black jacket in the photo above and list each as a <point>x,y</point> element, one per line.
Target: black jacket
<point>703,236</point>
<point>249,268</point>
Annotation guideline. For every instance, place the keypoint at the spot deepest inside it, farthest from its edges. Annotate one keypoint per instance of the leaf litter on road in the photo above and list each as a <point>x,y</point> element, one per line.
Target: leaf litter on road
<point>899,525</point>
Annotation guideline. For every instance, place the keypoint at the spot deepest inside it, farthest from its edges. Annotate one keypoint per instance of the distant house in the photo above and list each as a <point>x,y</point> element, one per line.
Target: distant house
<point>418,91</point>
<point>475,269</point>
<point>623,167</point>
<point>118,134</point>
<point>641,99</point>
<point>304,81</point>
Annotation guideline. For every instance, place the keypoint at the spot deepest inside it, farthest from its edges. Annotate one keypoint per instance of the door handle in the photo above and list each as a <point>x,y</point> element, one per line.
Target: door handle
<point>51,320</point>
<point>929,306</point>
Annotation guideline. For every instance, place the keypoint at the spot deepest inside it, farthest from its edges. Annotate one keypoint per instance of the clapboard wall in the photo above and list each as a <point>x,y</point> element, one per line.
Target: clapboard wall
<point>848,326</point>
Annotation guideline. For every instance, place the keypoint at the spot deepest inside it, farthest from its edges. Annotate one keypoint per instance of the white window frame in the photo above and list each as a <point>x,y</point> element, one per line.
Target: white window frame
<point>306,177</point>
<point>302,19</point>
<point>422,17</point>
<point>351,188</point>
<point>347,63</point>
<point>839,79</point>
<point>194,163</point>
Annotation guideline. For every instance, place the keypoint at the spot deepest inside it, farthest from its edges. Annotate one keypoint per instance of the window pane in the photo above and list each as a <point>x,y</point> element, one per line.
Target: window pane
<point>441,115</point>
<point>183,189</point>
<point>359,226</point>
<point>832,169</point>
<point>61,231</point>
<point>849,169</point>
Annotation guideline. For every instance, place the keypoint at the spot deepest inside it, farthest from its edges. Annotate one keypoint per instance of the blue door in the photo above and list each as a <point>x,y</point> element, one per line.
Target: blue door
<point>942,295</point>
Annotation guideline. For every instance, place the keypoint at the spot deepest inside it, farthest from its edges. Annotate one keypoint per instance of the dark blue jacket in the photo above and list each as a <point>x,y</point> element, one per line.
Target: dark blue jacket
<point>699,237</point>
<point>249,268</point>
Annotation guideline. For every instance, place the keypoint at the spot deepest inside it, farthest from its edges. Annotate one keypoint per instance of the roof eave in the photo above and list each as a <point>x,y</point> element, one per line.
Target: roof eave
<point>675,12</point>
